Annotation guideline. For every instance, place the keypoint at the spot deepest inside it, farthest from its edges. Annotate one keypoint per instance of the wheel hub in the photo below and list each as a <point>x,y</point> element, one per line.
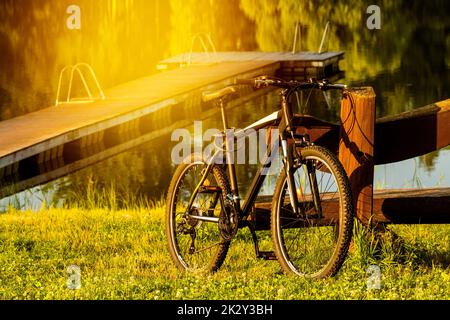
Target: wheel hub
<point>193,222</point>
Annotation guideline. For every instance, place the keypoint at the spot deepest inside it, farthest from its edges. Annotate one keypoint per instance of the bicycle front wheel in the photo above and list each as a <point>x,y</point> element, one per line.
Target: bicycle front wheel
<point>196,245</point>
<point>314,242</point>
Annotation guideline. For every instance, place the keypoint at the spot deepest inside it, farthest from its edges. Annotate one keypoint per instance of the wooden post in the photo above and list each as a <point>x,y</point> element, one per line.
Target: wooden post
<point>356,147</point>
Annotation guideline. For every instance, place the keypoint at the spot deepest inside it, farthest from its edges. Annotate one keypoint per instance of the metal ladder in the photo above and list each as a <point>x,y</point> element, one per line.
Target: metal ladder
<point>205,40</point>
<point>297,35</point>
<point>79,67</point>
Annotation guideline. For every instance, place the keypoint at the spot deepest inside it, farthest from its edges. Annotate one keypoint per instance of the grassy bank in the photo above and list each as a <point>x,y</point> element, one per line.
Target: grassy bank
<point>122,255</point>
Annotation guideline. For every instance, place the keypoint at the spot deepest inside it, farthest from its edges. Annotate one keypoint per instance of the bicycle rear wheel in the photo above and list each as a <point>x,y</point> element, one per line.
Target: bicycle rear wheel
<point>313,243</point>
<point>196,245</point>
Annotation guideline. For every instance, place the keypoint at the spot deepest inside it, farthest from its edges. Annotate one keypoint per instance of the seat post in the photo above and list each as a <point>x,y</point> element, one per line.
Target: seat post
<point>224,116</point>
<point>229,150</point>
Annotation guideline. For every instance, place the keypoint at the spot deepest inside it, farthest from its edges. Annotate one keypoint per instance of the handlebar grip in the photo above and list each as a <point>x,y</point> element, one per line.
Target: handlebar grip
<point>336,86</point>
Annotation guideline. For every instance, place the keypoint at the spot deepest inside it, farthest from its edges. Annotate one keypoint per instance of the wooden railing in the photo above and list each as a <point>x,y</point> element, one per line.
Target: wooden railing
<point>361,141</point>
<point>365,142</point>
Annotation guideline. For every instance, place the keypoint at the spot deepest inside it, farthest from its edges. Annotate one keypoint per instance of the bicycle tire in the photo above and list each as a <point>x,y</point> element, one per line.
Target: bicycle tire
<point>281,228</point>
<point>180,258</point>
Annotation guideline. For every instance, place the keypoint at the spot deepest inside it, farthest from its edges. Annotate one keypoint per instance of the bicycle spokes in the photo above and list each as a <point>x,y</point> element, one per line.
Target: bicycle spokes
<point>196,242</point>
<point>309,242</point>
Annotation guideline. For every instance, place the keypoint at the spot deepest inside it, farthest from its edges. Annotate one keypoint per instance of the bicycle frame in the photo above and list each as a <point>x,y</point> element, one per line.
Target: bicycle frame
<point>252,194</point>
<point>290,160</point>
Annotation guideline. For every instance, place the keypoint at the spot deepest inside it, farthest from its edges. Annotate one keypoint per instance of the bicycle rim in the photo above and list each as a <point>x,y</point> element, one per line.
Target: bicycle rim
<point>309,245</point>
<point>197,245</point>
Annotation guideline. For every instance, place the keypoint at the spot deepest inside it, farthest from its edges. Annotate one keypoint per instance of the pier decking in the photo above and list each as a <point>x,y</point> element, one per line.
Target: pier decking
<point>35,132</point>
<point>28,135</point>
<point>59,134</point>
<point>299,64</point>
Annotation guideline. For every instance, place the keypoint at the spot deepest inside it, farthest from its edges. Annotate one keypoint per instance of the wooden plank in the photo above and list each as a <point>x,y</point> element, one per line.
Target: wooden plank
<point>396,206</point>
<point>73,158</point>
<point>413,133</point>
<point>330,211</point>
<point>35,132</point>
<point>320,132</point>
<point>234,56</point>
<point>356,146</point>
<point>413,206</point>
<point>393,139</point>
<point>81,162</point>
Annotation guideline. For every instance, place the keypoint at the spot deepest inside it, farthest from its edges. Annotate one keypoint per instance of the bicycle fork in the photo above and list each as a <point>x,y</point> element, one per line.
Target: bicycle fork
<point>290,165</point>
<point>292,161</point>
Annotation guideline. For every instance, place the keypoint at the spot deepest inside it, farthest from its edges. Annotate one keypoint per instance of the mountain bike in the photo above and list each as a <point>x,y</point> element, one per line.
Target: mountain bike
<point>312,209</point>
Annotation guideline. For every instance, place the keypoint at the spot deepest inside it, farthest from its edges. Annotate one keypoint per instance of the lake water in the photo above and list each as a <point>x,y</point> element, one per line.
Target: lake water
<point>407,62</point>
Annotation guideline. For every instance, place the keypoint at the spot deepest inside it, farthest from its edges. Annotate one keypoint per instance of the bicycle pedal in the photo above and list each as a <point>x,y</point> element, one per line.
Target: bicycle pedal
<point>267,255</point>
<point>209,189</point>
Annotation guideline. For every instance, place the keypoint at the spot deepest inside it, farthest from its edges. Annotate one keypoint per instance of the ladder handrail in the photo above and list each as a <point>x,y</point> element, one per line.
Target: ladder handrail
<point>58,91</point>
<point>297,34</point>
<point>82,79</point>
<point>325,32</point>
<point>78,67</point>
<point>200,37</point>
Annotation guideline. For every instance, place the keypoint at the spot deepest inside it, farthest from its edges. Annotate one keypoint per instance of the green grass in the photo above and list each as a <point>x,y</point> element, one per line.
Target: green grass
<point>122,255</point>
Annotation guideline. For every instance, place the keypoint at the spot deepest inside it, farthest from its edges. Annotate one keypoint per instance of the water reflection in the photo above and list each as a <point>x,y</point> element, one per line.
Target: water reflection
<point>121,39</point>
<point>407,62</point>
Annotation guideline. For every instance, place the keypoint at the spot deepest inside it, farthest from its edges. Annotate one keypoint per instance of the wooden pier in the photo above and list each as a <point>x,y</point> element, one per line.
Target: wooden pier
<point>144,105</point>
<point>30,134</point>
<point>52,142</point>
<point>299,65</point>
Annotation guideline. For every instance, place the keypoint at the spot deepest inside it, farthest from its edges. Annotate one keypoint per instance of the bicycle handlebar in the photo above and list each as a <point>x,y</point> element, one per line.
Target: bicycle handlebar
<point>295,85</point>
